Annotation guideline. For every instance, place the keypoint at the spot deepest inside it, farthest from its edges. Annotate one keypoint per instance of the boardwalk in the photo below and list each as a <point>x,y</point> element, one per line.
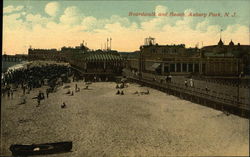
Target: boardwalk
<point>235,99</point>
<point>101,123</point>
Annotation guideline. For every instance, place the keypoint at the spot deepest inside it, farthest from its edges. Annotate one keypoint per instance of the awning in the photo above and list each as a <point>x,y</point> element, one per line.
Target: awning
<point>155,66</point>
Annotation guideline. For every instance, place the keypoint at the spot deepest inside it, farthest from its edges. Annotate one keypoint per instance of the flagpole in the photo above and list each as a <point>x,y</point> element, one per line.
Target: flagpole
<point>107,44</point>
<point>220,32</point>
<point>110,42</point>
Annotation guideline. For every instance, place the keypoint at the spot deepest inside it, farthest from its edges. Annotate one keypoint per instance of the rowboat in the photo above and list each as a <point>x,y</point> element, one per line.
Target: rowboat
<point>40,149</point>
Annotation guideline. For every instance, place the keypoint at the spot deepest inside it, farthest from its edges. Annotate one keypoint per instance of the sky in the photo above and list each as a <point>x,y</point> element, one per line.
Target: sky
<point>54,24</point>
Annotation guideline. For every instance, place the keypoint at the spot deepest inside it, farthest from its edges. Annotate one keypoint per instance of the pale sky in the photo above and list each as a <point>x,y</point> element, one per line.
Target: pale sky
<point>54,24</point>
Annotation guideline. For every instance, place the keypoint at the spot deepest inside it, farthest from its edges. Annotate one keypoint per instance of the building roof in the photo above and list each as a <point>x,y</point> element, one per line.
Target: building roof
<point>211,54</point>
<point>92,57</point>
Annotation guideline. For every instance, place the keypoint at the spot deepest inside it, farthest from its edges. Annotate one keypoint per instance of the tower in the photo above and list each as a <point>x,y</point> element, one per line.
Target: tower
<point>220,43</point>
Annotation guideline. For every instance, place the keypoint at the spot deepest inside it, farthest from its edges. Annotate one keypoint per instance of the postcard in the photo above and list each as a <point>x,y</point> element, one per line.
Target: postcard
<point>125,78</point>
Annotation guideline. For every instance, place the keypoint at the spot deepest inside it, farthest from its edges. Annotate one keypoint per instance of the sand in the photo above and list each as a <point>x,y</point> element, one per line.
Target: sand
<point>101,123</point>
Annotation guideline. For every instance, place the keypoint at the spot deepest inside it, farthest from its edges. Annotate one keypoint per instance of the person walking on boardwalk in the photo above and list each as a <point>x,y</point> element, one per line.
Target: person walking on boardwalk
<point>191,82</point>
<point>206,88</point>
<point>186,84</point>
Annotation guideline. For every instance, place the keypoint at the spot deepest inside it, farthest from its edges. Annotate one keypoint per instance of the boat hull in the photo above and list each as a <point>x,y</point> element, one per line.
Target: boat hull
<point>40,149</point>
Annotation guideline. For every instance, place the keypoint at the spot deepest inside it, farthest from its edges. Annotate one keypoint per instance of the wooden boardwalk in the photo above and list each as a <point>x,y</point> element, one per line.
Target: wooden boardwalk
<point>214,99</point>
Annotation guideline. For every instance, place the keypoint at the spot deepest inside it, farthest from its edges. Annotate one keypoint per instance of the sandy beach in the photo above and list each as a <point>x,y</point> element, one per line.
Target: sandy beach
<point>101,123</point>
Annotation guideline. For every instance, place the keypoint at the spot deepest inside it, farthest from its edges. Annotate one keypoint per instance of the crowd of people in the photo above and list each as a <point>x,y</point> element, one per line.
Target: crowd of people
<point>34,77</point>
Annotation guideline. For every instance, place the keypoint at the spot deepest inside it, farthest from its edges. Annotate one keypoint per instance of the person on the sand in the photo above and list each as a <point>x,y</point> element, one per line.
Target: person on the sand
<point>24,88</point>
<point>11,93</point>
<point>76,87</point>
<point>63,105</point>
<point>118,92</point>
<point>8,93</point>
<point>47,92</point>
<point>38,101</point>
<point>122,92</point>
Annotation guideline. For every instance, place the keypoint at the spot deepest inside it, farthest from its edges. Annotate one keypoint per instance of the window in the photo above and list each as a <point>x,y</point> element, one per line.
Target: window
<point>172,67</point>
<point>178,66</point>
<point>184,67</point>
<point>203,68</point>
<point>166,69</point>
<point>190,67</point>
<point>196,67</point>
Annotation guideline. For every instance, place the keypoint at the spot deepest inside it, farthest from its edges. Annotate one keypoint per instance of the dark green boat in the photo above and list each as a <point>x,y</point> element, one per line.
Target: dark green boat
<point>40,149</point>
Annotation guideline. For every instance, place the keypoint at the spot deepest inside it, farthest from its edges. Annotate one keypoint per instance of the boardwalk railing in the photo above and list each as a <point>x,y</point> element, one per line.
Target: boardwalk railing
<point>221,101</point>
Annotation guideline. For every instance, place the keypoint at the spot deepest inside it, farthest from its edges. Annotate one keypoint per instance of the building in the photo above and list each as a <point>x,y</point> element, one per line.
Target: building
<point>91,63</point>
<point>11,60</point>
<point>215,60</point>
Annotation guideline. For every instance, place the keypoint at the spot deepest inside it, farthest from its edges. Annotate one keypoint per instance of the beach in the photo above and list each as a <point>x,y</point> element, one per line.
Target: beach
<point>101,123</point>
